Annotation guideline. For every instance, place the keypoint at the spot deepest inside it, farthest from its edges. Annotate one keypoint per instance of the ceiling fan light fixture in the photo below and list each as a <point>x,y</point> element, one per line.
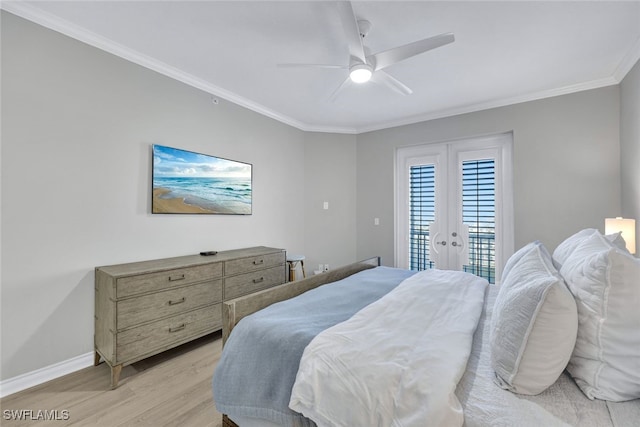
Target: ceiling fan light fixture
<point>360,73</point>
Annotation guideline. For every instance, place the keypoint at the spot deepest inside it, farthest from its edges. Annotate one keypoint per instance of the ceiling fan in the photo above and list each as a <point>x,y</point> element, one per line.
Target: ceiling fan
<point>364,66</point>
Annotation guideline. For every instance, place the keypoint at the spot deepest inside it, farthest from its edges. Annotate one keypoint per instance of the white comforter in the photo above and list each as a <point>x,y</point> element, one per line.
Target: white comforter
<point>397,361</point>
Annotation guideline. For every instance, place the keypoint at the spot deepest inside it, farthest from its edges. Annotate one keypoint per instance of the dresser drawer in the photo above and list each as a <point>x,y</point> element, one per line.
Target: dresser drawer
<point>132,285</point>
<point>146,308</point>
<point>162,334</point>
<point>245,265</point>
<point>250,282</point>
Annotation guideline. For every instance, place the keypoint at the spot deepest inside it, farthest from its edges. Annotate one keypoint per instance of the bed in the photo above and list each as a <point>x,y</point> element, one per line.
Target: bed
<point>474,394</point>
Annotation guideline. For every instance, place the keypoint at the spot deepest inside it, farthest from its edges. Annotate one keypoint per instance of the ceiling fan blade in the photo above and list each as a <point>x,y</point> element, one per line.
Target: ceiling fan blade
<point>351,30</point>
<point>293,65</point>
<point>397,54</point>
<point>390,81</point>
<point>340,88</point>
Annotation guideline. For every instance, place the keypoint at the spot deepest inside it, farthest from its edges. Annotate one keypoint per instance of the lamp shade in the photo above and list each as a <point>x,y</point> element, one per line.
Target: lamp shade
<point>626,226</point>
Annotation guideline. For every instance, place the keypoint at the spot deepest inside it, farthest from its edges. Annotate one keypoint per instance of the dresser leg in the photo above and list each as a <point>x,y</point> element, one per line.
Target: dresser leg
<point>96,358</point>
<point>226,422</point>
<point>115,375</point>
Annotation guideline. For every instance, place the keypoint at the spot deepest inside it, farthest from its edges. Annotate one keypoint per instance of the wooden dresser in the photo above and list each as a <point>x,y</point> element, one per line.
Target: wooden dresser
<point>147,307</point>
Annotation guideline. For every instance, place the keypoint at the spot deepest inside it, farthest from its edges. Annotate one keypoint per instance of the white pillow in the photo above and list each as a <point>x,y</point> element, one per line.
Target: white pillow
<point>617,240</point>
<point>564,249</point>
<point>513,259</point>
<point>534,324</point>
<point>605,282</point>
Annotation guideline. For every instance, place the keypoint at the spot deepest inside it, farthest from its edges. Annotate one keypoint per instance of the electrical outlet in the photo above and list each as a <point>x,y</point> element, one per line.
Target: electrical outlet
<point>320,267</point>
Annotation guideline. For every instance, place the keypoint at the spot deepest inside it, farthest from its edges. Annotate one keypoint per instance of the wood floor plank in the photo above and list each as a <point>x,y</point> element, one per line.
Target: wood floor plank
<point>170,389</point>
<point>172,411</point>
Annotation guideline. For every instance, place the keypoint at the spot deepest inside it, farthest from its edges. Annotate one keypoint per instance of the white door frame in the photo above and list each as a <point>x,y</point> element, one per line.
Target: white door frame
<point>448,157</point>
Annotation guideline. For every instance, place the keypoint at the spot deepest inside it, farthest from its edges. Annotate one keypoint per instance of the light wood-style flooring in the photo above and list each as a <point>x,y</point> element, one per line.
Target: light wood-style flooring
<point>170,389</point>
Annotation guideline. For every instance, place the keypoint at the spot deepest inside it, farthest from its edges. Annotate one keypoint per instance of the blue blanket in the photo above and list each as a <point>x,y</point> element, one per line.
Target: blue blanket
<point>260,359</point>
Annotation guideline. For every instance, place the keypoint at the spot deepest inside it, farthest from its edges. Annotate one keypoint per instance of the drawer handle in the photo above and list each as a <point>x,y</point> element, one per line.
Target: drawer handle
<point>258,262</point>
<point>180,301</point>
<point>176,278</point>
<point>177,328</point>
<point>258,280</point>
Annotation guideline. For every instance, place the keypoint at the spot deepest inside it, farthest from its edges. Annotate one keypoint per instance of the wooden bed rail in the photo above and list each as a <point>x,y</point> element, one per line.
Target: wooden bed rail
<point>235,309</point>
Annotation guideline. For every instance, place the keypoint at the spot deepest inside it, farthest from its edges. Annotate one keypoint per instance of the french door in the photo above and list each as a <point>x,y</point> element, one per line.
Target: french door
<point>454,206</point>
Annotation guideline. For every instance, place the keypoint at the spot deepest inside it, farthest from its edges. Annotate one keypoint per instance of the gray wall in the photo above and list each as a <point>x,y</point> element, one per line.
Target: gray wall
<point>330,176</point>
<point>630,147</point>
<point>566,166</point>
<point>78,125</point>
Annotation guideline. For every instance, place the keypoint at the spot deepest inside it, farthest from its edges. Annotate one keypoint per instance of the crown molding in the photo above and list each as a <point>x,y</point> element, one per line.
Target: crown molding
<point>496,103</point>
<point>330,129</point>
<point>627,63</point>
<point>37,15</point>
<point>52,22</point>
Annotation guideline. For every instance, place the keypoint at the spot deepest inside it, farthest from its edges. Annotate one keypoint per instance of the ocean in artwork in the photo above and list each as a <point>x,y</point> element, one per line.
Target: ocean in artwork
<point>189,182</point>
<point>231,195</point>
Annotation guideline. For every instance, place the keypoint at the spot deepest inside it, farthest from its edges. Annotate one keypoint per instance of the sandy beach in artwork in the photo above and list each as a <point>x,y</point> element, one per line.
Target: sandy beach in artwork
<point>185,182</point>
<point>173,205</point>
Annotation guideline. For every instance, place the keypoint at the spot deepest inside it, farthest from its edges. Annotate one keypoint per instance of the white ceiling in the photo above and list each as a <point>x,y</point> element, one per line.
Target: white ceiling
<point>505,52</point>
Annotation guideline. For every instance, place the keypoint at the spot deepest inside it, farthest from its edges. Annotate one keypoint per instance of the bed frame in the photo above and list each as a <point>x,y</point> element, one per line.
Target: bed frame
<point>235,309</point>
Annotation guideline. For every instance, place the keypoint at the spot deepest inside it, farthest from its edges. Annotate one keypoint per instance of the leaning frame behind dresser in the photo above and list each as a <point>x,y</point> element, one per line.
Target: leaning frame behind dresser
<point>234,310</point>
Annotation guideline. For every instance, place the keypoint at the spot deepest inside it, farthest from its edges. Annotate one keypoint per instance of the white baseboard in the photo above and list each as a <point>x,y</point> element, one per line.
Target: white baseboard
<point>42,375</point>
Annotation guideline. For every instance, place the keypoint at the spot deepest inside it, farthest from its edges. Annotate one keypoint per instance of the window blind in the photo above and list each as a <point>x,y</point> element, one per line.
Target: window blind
<point>422,213</point>
<point>479,212</point>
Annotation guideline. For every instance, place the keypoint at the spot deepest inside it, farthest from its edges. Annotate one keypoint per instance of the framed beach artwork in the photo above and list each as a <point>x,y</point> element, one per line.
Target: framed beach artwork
<point>185,182</point>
